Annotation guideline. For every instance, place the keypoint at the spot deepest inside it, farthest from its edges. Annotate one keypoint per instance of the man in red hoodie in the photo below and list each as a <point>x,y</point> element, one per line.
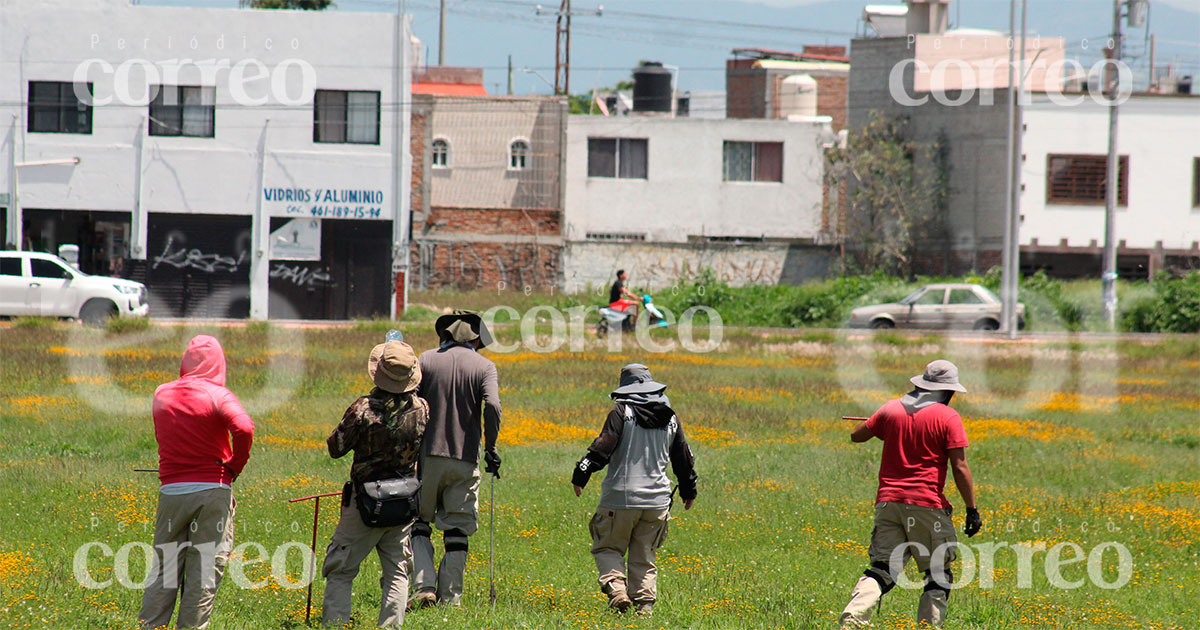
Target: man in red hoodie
<point>195,419</point>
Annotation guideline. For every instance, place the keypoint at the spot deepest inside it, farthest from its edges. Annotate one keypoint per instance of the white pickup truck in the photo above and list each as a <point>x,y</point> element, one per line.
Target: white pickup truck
<point>38,284</point>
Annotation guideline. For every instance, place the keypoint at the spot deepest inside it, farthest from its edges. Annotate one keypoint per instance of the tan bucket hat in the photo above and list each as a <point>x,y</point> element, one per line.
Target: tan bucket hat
<point>394,367</point>
<point>940,375</point>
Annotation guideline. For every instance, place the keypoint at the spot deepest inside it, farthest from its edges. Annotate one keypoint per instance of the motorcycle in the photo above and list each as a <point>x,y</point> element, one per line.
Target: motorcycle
<point>623,319</point>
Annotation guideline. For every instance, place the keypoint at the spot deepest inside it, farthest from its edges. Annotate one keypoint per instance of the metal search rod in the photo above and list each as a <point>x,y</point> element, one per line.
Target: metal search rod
<point>153,470</point>
<point>312,564</point>
<point>858,418</point>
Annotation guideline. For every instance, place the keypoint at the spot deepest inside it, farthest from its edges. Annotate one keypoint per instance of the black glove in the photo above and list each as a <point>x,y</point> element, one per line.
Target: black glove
<point>974,523</point>
<point>491,460</point>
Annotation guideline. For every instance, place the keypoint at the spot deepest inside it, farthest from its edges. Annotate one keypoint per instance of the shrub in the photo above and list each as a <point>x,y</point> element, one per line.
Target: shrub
<point>1175,306</point>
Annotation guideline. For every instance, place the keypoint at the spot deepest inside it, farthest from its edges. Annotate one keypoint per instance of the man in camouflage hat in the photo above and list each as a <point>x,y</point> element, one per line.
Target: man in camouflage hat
<point>384,430</point>
<point>463,393</point>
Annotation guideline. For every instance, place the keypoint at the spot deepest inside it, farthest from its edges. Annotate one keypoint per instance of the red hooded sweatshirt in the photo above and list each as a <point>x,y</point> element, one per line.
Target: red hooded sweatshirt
<point>194,418</point>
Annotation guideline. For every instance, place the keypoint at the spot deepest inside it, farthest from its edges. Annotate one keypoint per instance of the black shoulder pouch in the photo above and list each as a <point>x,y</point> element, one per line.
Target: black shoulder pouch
<point>388,502</point>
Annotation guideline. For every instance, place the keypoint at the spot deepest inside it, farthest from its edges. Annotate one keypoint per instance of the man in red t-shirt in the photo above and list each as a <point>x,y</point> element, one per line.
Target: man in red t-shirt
<point>920,434</point>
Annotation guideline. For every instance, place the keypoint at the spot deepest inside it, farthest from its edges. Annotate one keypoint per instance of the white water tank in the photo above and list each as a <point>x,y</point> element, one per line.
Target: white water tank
<point>798,96</point>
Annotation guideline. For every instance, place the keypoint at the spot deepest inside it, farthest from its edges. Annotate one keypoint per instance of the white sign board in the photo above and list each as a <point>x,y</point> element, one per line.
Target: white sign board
<point>298,239</point>
<point>319,202</point>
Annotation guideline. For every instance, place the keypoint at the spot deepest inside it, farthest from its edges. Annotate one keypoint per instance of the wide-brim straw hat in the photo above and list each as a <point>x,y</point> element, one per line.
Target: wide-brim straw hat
<point>940,375</point>
<point>394,367</point>
<point>463,327</point>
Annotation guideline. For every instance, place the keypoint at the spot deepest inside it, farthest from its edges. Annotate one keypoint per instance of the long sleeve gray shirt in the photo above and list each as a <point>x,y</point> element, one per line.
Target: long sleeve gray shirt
<point>463,393</point>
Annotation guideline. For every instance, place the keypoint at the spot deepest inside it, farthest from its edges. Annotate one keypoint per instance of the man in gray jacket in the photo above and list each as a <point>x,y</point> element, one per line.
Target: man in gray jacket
<point>462,390</point>
<point>640,436</point>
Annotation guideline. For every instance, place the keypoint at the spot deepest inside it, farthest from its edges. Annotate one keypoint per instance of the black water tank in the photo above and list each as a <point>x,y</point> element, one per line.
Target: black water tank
<point>651,88</point>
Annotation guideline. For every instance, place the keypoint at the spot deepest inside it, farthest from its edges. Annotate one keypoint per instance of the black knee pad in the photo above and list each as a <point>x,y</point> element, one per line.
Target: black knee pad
<point>456,540</point>
<point>880,573</point>
<point>939,583</point>
<point>421,529</point>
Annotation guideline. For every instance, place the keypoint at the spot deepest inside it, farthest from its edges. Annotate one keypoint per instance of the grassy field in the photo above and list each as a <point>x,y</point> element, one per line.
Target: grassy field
<point>1073,441</point>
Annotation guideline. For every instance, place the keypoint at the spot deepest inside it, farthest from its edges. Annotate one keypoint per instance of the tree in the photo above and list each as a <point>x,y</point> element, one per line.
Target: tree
<point>307,5</point>
<point>584,103</point>
<point>889,197</point>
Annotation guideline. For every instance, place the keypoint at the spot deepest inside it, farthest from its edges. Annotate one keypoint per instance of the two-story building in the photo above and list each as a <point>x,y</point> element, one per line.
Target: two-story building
<point>665,197</point>
<point>240,162</point>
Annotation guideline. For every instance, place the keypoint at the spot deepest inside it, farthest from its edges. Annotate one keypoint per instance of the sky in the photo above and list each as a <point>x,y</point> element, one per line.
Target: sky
<point>697,35</point>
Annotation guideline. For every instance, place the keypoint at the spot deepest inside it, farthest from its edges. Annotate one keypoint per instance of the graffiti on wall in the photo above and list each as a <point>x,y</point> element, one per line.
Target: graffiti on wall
<point>176,254</point>
<point>301,276</point>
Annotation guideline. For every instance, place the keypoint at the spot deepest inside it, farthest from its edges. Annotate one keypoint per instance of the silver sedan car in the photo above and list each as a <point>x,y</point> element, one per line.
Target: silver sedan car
<point>969,306</point>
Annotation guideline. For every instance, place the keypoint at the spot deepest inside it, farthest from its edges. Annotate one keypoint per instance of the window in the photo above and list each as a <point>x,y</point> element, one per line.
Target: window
<point>42,268</point>
<point>753,161</point>
<point>10,266</point>
<point>518,150</point>
<point>55,107</point>
<point>617,236</point>
<point>441,153</point>
<point>617,157</point>
<point>183,111</point>
<point>1196,182</point>
<point>964,296</point>
<point>1080,179</point>
<point>932,297</point>
<point>346,117</point>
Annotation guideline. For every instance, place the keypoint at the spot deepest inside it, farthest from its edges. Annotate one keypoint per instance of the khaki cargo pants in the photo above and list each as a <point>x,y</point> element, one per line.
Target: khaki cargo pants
<point>193,537</point>
<point>450,501</point>
<point>639,533</point>
<point>902,532</point>
<point>352,542</point>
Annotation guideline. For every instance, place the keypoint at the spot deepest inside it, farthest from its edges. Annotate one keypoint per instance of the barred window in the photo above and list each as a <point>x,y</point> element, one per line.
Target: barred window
<point>624,237</point>
<point>1080,179</point>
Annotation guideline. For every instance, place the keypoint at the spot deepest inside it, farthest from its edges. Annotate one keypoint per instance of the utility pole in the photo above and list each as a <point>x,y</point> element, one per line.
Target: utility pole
<point>510,76</point>
<point>442,34</point>
<point>1108,278</point>
<point>562,43</point>
<point>1008,264</point>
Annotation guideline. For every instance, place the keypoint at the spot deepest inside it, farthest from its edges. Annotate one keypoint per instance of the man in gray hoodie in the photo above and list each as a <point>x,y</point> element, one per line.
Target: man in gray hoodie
<point>640,436</point>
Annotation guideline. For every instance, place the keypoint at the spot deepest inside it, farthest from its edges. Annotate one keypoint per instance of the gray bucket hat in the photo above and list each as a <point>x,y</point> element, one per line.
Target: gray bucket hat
<point>636,379</point>
<point>940,375</point>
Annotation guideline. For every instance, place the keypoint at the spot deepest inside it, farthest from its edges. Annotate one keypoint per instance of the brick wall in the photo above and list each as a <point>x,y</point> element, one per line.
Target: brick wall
<point>480,247</point>
<point>831,99</point>
<point>476,265</point>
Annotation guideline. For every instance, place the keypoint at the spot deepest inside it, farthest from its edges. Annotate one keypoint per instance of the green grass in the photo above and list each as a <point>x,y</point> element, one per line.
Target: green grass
<point>1085,442</point>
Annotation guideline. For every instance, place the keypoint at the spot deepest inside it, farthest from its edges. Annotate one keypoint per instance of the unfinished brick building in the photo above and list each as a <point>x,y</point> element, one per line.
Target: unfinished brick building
<point>486,191</point>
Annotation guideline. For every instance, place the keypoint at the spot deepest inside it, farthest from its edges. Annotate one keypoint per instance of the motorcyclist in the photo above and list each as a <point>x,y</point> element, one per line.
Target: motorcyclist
<point>622,299</point>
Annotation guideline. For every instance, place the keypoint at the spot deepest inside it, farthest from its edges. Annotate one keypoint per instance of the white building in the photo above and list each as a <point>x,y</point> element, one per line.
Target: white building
<point>205,131</point>
<point>664,197</point>
<point>1062,204</point>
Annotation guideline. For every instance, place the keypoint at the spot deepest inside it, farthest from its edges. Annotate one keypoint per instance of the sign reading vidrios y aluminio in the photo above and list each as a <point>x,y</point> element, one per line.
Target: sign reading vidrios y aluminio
<point>333,202</point>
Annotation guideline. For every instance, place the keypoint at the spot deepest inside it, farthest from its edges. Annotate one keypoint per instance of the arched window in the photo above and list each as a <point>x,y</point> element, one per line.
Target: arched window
<point>441,153</point>
<point>518,154</point>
